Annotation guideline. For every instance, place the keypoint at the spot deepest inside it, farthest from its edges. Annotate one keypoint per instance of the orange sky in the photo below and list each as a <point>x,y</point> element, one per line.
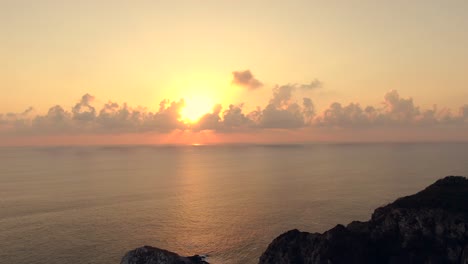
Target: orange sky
<point>139,54</point>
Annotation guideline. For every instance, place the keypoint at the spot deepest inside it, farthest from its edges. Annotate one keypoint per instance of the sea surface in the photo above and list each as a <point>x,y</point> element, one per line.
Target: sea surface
<point>92,204</point>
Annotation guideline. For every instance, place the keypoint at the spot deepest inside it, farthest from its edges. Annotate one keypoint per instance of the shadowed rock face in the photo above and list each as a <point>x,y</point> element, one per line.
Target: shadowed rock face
<point>428,227</point>
<point>152,255</point>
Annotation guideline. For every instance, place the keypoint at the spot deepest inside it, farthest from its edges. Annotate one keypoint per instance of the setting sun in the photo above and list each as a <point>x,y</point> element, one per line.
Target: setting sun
<point>195,108</point>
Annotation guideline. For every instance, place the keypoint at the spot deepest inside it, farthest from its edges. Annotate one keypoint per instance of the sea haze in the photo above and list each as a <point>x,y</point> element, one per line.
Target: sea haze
<point>92,204</point>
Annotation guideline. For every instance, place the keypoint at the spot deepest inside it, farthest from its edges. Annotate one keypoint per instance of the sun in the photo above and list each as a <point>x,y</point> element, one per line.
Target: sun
<point>195,108</point>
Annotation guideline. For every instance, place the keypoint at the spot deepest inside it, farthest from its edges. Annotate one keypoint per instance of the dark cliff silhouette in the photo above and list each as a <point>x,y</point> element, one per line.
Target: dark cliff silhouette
<point>428,227</point>
<point>152,255</point>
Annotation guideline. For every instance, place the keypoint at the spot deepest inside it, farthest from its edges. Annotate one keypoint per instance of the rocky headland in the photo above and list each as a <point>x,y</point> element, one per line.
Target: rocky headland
<point>428,227</point>
<point>152,255</point>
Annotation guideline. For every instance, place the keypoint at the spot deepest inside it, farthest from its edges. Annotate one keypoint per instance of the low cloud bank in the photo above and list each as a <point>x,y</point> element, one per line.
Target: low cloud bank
<point>284,111</point>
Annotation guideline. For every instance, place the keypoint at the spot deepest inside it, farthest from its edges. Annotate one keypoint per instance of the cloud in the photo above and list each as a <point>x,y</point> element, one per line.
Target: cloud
<point>210,121</point>
<point>230,120</point>
<point>234,118</point>
<point>282,95</point>
<point>464,113</point>
<point>83,109</point>
<point>396,112</point>
<point>289,117</point>
<point>337,115</point>
<point>316,83</point>
<point>282,112</point>
<point>57,119</point>
<point>82,119</point>
<point>285,111</point>
<point>399,109</point>
<point>246,79</point>
<point>116,118</point>
<point>308,110</point>
<point>167,118</point>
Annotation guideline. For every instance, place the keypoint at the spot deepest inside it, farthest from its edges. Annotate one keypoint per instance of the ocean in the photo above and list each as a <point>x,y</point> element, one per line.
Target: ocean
<point>92,204</point>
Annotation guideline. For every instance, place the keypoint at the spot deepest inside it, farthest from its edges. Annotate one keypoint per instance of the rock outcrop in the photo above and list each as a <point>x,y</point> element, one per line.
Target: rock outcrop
<point>152,255</point>
<point>428,227</point>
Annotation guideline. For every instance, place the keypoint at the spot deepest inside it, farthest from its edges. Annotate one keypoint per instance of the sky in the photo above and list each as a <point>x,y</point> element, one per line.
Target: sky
<point>189,72</point>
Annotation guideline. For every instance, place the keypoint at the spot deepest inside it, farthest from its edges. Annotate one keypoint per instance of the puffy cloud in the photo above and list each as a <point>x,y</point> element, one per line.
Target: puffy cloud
<point>16,121</point>
<point>396,112</point>
<point>400,109</point>
<point>56,119</point>
<point>289,117</point>
<point>464,112</point>
<point>167,118</point>
<point>82,118</point>
<point>229,120</point>
<point>83,109</point>
<point>233,118</point>
<point>246,79</point>
<point>284,111</point>
<point>316,83</point>
<point>308,110</point>
<point>351,115</point>
<point>281,112</point>
<point>282,95</point>
<point>116,118</point>
<point>210,121</point>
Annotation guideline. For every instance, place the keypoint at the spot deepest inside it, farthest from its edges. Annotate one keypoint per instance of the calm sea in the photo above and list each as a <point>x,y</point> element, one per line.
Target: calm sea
<point>92,204</point>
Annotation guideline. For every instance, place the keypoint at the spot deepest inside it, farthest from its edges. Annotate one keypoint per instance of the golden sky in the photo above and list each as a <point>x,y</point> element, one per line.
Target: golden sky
<point>141,52</point>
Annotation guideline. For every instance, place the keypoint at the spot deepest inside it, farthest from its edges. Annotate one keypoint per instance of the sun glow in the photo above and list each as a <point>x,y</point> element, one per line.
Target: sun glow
<point>195,108</point>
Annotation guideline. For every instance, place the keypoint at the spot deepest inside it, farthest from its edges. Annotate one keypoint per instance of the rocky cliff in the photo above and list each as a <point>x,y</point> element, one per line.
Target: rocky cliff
<point>152,255</point>
<point>428,227</point>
